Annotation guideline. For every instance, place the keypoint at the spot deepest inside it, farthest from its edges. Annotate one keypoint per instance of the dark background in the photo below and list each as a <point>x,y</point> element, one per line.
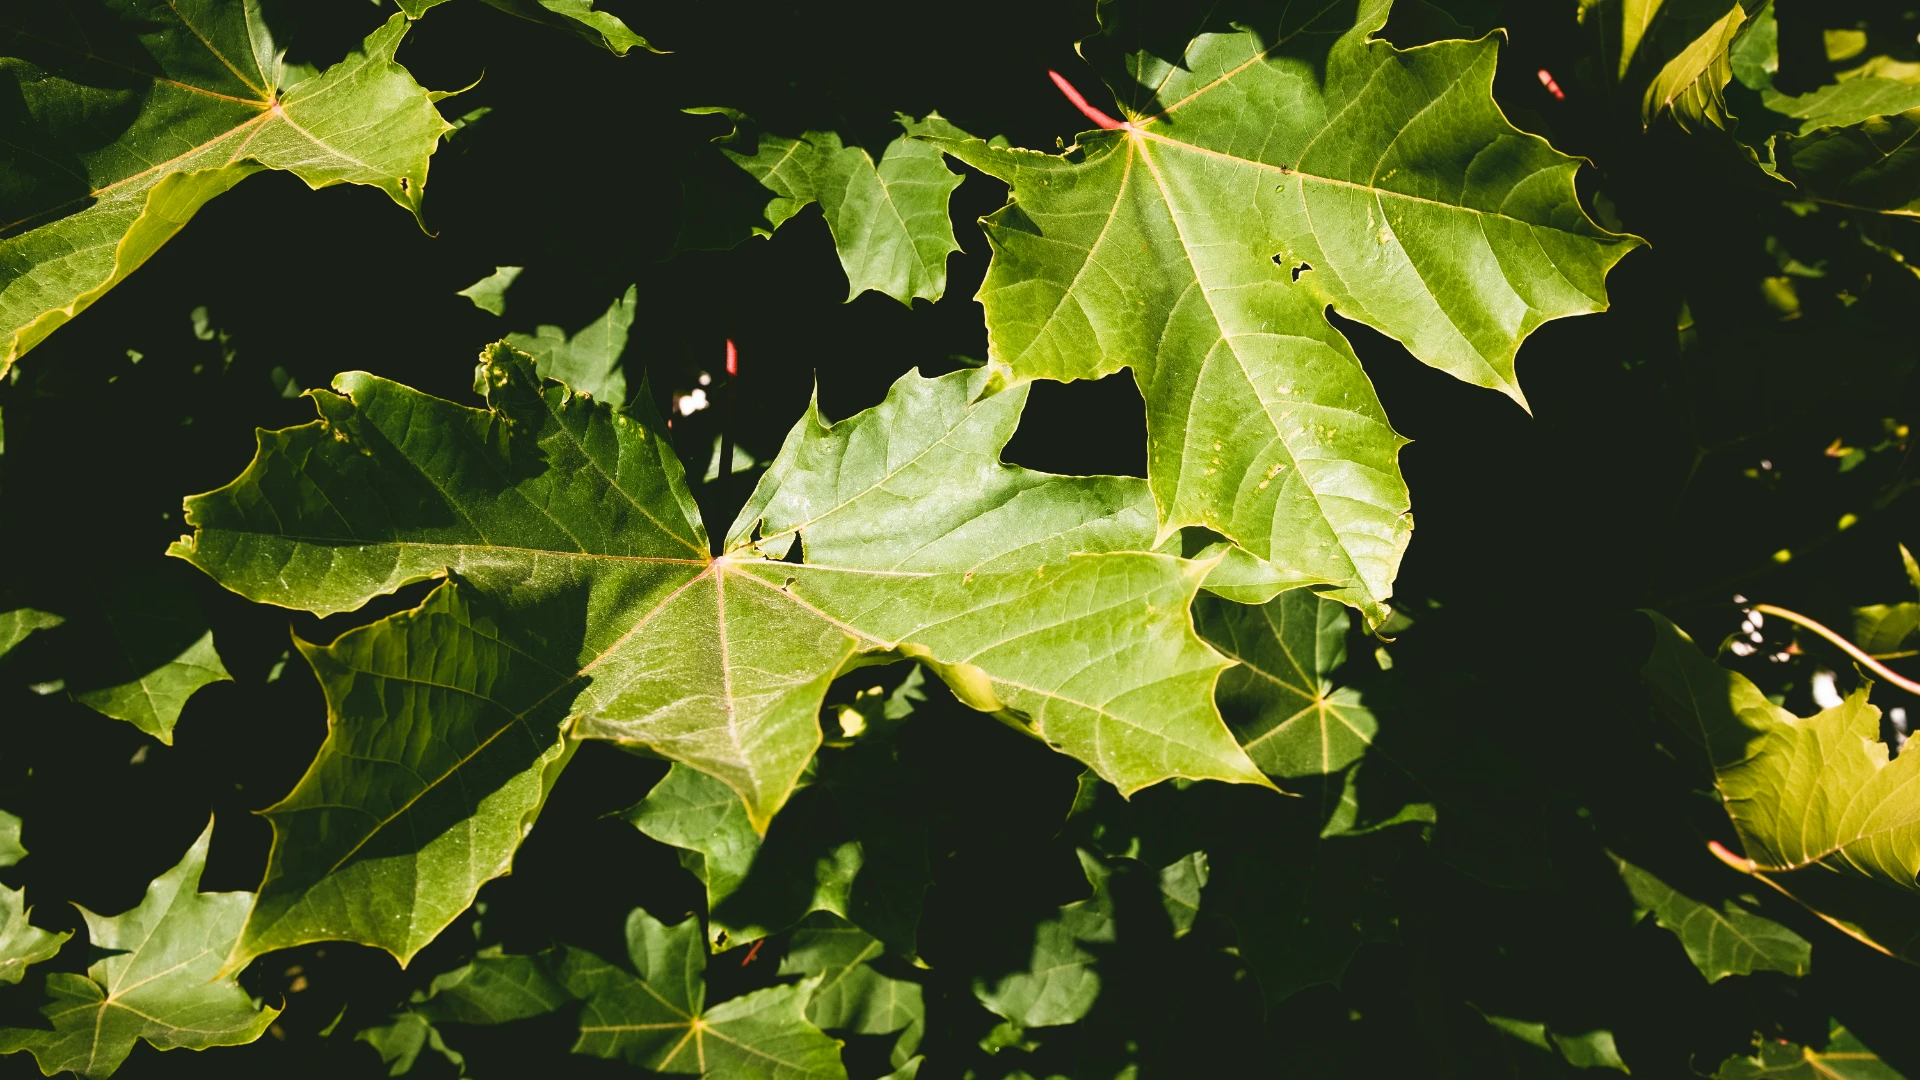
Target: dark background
<point>1537,538</point>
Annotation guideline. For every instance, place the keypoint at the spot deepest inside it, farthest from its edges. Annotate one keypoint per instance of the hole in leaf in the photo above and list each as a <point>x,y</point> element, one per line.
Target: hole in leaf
<point>1301,269</point>
<point>794,553</point>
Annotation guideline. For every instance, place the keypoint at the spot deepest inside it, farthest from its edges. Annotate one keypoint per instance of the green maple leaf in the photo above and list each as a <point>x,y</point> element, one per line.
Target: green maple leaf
<point>1844,1058</point>
<point>1281,701</point>
<point>1822,812</point>
<point>889,220</point>
<point>160,984</point>
<point>1287,170</point>
<point>143,110</point>
<point>658,1017</point>
<point>596,610</point>
<point>1720,941</point>
<point>851,996</point>
<point>577,17</point>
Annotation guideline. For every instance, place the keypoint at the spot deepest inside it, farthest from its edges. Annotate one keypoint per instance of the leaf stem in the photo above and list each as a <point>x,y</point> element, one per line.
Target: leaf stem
<point>725,473</point>
<point>1860,655</point>
<point>1080,102</point>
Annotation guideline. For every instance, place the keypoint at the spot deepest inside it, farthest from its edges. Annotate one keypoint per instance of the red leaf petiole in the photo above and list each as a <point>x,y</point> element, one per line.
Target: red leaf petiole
<point>1080,102</point>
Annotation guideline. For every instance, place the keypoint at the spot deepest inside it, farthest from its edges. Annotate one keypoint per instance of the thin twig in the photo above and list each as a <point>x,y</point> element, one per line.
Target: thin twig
<point>1860,655</point>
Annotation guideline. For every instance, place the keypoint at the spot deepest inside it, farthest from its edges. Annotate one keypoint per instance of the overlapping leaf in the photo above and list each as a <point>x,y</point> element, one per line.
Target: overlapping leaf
<point>578,17</point>
<point>1289,169</point>
<point>1281,701</point>
<point>1724,941</point>
<point>853,844</point>
<point>889,221</point>
<point>444,739</point>
<point>851,996</point>
<point>134,113</point>
<point>1062,981</point>
<point>21,943</point>
<point>160,982</point>
<point>658,1018</point>
<point>1821,811</point>
<point>597,604</point>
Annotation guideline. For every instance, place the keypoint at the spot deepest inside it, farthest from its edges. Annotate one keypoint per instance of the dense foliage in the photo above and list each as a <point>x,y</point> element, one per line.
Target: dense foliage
<point>763,662</point>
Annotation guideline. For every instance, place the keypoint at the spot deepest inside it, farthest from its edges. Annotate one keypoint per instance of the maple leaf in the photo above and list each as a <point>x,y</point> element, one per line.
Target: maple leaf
<point>585,605</point>
<point>1284,171</point>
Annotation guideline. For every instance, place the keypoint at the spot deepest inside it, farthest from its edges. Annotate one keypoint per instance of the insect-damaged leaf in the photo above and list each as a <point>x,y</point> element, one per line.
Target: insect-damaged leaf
<point>1279,171</point>
<point>142,110</point>
<point>889,221</point>
<point>1822,812</point>
<point>160,982</point>
<point>1030,594</point>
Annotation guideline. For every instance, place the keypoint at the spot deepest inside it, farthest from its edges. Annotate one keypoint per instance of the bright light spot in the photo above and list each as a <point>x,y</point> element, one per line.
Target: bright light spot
<point>1783,555</point>
<point>1758,620</point>
<point>1740,648</point>
<point>851,723</point>
<point>1766,464</point>
<point>688,404</point>
<point>1738,599</point>
<point>1847,521</point>
<point>706,379</point>
<point>1899,718</point>
<point>1824,695</point>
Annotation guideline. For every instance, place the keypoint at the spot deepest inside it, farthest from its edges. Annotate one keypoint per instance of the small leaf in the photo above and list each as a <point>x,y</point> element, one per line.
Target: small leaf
<point>161,647</point>
<point>659,1019</point>
<point>851,996</point>
<point>1692,84</point>
<point>490,292</point>
<point>399,1043</point>
<point>577,17</point>
<point>200,112</point>
<point>1845,1058</point>
<point>853,844</point>
<point>1060,983</point>
<point>1730,941</point>
<point>18,624</point>
<point>889,221</point>
<point>161,983</point>
<point>1281,701</point>
<point>493,988</point>
<point>21,943</point>
<point>589,361</point>
<point>11,850</point>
